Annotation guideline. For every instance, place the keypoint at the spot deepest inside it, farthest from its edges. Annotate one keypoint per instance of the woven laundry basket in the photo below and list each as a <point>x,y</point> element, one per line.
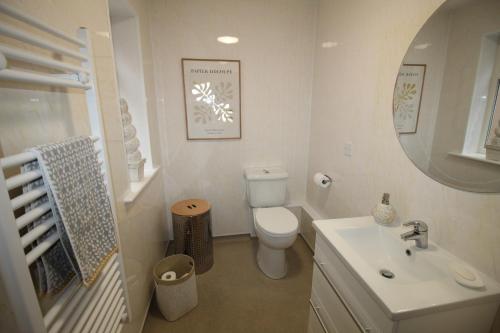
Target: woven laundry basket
<point>193,232</point>
<point>177,297</point>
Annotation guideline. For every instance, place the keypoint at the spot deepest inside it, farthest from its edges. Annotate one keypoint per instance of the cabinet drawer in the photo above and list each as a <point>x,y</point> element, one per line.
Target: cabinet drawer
<point>327,303</point>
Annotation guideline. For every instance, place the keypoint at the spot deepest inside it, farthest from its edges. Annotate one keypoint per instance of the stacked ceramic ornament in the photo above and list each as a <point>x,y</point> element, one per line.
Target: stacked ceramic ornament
<point>132,143</point>
<point>493,149</point>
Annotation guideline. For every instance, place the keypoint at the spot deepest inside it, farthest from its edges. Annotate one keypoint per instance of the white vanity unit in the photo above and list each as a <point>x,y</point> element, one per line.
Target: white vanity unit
<point>419,292</point>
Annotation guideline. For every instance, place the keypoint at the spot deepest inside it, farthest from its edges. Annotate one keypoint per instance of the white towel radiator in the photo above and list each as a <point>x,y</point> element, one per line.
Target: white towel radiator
<point>104,306</point>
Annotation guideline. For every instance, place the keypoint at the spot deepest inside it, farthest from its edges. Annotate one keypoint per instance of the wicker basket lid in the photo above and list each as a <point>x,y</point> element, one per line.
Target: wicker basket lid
<point>190,207</point>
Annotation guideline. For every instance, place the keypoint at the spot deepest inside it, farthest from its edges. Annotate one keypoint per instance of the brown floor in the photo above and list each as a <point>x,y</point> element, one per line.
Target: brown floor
<point>235,296</point>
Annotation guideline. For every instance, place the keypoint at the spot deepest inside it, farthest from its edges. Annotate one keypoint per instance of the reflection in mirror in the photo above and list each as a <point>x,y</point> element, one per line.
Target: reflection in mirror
<point>446,96</point>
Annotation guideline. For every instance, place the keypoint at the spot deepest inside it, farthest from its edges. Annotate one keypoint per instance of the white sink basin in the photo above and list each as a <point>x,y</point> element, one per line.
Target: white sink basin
<point>422,282</point>
<point>380,249</point>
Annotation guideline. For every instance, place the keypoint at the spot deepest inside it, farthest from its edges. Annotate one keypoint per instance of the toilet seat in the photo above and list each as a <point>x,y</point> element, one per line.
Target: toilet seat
<point>276,222</point>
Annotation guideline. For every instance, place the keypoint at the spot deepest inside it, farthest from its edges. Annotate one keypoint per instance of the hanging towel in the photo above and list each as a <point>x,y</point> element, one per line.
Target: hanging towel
<point>76,188</point>
<point>53,271</point>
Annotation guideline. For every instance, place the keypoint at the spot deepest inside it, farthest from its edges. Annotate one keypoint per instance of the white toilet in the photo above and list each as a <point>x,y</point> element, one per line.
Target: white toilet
<point>275,226</point>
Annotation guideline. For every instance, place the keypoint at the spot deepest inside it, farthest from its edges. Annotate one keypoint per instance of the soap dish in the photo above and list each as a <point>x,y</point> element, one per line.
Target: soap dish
<point>465,276</point>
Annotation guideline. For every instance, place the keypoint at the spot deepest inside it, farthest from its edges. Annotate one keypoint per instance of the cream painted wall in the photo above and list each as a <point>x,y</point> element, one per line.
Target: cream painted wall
<point>352,99</point>
<point>351,102</point>
<point>32,115</point>
<point>275,49</point>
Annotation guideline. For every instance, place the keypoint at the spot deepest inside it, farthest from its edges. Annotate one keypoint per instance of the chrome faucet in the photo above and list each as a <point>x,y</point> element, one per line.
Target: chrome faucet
<point>419,233</point>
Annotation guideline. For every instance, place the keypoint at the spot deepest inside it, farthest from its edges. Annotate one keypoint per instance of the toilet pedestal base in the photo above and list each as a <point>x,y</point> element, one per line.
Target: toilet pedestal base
<point>272,262</point>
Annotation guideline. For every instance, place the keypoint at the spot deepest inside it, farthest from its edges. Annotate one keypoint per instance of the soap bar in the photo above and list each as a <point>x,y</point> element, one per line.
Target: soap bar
<point>465,273</point>
<point>465,276</point>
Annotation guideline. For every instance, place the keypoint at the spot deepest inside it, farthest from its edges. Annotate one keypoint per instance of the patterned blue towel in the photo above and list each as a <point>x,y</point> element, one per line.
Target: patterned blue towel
<point>81,206</point>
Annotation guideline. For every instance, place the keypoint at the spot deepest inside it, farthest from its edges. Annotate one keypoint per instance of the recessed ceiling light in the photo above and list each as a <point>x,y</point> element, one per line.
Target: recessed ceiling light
<point>422,46</point>
<point>328,45</point>
<point>227,39</point>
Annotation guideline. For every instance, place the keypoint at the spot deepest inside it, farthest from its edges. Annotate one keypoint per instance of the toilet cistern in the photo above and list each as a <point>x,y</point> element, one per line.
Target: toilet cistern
<point>419,233</point>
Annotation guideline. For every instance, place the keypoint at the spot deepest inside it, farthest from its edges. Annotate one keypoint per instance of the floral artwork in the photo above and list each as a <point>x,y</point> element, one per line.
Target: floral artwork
<point>407,98</point>
<point>212,99</point>
<point>401,101</point>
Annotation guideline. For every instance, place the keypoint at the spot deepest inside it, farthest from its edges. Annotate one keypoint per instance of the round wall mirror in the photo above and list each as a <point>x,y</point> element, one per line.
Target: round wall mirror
<point>446,96</point>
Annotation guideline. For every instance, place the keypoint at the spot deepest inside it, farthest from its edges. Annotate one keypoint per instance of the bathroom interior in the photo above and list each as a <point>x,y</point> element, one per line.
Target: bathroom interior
<point>311,165</point>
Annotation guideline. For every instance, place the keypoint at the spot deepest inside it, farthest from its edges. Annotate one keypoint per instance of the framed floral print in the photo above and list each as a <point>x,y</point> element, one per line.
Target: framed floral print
<point>212,98</point>
<point>408,97</point>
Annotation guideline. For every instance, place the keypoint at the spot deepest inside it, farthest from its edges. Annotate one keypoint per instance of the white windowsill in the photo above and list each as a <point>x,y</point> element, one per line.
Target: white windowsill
<point>137,187</point>
<point>474,157</point>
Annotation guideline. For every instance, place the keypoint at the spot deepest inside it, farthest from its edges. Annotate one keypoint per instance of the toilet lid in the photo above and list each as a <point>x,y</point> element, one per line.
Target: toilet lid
<point>277,221</point>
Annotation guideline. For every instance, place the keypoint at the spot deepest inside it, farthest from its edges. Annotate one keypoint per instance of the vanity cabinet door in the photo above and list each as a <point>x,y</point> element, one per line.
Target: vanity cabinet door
<point>369,314</point>
<point>315,325</point>
<point>335,316</point>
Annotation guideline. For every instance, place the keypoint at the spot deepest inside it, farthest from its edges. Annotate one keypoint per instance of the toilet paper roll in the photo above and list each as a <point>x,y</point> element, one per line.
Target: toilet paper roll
<point>169,276</point>
<point>322,180</point>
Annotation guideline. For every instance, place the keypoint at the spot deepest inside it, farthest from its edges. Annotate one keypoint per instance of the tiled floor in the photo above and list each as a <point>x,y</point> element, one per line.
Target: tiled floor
<point>235,296</point>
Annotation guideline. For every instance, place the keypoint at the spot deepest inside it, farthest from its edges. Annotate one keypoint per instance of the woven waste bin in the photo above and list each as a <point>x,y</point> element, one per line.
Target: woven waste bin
<point>178,296</point>
<point>193,232</point>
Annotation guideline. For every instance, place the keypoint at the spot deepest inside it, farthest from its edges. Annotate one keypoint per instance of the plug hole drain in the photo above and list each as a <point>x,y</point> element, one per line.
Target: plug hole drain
<point>387,273</point>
